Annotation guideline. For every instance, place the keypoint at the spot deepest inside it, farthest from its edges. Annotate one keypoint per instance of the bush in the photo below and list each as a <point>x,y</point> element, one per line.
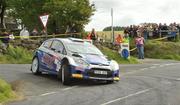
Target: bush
<point>16,55</point>
<point>6,92</point>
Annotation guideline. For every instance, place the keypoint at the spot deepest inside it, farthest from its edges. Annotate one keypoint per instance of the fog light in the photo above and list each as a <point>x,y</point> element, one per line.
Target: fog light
<point>116,78</point>
<point>77,75</point>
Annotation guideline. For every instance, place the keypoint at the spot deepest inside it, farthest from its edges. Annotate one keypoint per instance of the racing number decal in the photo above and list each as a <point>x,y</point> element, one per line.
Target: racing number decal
<point>52,62</point>
<point>48,60</point>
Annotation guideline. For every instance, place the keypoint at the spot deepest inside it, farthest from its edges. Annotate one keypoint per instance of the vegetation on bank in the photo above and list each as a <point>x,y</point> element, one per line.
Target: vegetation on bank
<point>16,55</point>
<point>115,56</point>
<point>162,50</point>
<point>6,93</point>
<point>20,55</point>
<point>153,49</point>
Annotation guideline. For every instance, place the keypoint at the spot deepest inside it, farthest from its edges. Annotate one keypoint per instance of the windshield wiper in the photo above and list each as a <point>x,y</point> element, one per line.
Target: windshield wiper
<point>76,54</point>
<point>91,53</point>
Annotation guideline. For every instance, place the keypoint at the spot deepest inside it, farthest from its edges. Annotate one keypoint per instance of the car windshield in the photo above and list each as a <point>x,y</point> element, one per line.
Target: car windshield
<point>83,48</point>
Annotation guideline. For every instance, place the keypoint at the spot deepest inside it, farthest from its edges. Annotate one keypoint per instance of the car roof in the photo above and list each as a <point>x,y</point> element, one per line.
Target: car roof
<point>71,40</point>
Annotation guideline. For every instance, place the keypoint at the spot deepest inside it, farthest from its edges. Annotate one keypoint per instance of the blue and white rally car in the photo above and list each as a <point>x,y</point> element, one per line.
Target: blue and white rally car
<point>73,58</point>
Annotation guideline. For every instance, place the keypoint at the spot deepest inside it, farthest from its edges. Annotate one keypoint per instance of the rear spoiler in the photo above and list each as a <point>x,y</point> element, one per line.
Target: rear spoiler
<point>88,40</point>
<point>81,40</point>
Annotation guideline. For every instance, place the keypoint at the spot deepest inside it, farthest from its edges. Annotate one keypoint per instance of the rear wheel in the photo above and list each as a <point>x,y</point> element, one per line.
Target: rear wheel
<point>65,74</point>
<point>35,66</point>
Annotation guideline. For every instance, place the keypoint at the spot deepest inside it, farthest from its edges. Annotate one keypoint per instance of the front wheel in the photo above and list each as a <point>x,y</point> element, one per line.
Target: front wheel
<point>35,66</point>
<point>65,74</point>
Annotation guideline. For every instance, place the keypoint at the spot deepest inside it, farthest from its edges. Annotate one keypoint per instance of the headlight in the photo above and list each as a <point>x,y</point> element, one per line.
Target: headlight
<point>81,63</point>
<point>114,65</point>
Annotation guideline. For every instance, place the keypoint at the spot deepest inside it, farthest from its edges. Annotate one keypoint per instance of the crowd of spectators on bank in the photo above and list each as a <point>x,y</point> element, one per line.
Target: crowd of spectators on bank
<point>153,30</point>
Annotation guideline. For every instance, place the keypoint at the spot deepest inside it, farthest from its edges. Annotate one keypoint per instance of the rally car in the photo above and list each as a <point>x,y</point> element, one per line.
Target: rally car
<point>70,58</point>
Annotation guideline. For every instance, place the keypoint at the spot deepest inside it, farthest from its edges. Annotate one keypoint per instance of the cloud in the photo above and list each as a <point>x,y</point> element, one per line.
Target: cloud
<point>127,12</point>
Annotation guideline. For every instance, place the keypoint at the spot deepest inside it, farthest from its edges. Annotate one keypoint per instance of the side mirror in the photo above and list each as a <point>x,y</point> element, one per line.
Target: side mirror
<point>59,51</point>
<point>53,49</point>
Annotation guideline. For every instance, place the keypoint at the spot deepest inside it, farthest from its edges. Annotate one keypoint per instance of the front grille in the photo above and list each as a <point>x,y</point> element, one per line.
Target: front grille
<point>92,74</point>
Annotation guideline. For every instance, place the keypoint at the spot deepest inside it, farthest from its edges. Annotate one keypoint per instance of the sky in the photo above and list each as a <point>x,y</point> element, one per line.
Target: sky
<point>130,12</point>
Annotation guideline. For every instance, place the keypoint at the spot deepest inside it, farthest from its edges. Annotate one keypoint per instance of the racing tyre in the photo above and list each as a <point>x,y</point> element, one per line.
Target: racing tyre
<point>35,66</point>
<point>65,74</point>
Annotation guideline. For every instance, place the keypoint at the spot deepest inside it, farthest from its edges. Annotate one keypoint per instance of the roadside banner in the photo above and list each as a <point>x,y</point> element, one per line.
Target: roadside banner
<point>44,19</point>
<point>124,50</point>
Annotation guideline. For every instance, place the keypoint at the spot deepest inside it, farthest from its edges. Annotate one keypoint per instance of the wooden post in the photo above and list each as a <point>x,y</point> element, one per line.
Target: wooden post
<point>178,35</point>
<point>160,34</point>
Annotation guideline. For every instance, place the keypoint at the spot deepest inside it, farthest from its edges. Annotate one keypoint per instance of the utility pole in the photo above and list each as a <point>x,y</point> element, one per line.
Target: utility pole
<point>112,29</point>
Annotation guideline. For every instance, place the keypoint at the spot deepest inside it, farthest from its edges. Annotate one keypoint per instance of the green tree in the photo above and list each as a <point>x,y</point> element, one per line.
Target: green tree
<point>69,13</point>
<point>27,11</point>
<point>63,13</point>
<point>116,28</point>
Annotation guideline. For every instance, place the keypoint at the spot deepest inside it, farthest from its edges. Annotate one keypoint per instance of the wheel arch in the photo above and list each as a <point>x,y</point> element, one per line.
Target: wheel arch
<point>69,60</point>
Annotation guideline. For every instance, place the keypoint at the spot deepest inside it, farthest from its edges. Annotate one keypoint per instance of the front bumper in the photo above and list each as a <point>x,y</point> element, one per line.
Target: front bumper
<point>81,73</point>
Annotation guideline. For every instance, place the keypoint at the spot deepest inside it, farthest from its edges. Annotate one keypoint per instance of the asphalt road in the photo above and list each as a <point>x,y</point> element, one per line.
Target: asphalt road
<point>154,82</point>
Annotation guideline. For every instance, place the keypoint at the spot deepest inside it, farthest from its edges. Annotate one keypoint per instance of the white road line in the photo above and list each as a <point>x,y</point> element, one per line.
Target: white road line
<point>69,88</point>
<point>133,72</point>
<point>178,79</point>
<point>130,95</point>
<point>143,69</point>
<point>152,67</point>
<point>49,93</point>
<point>161,65</point>
<point>156,64</point>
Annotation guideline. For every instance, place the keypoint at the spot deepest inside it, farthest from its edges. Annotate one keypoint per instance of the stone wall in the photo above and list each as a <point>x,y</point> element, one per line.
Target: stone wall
<point>28,44</point>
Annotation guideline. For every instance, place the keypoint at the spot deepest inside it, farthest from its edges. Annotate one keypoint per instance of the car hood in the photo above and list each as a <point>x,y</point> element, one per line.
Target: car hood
<point>96,59</point>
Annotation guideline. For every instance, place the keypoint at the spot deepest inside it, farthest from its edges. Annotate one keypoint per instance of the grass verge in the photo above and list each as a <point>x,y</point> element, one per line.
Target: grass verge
<point>16,55</point>
<point>6,93</point>
<point>162,50</point>
<point>115,56</point>
<point>19,55</point>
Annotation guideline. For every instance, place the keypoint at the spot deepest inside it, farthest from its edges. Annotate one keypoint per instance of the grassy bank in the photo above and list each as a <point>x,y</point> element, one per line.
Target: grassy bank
<point>6,93</point>
<point>16,55</point>
<point>162,50</point>
<point>20,55</point>
<point>115,56</point>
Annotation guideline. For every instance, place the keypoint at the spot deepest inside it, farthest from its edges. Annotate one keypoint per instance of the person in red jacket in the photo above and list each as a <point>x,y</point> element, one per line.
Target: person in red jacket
<point>119,39</point>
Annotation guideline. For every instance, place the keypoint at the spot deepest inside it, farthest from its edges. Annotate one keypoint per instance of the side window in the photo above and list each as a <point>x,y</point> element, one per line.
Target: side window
<point>57,46</point>
<point>47,44</point>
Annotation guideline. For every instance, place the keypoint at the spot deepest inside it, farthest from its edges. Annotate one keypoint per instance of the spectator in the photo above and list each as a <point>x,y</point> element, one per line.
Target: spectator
<point>93,35</point>
<point>88,36</point>
<point>119,39</point>
<point>5,39</point>
<point>165,29</point>
<point>150,31</point>
<point>34,32</point>
<point>43,32</point>
<point>139,41</point>
<point>24,34</point>
<point>11,35</point>
<point>126,38</point>
<point>145,33</point>
<point>173,29</point>
<point>131,33</point>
